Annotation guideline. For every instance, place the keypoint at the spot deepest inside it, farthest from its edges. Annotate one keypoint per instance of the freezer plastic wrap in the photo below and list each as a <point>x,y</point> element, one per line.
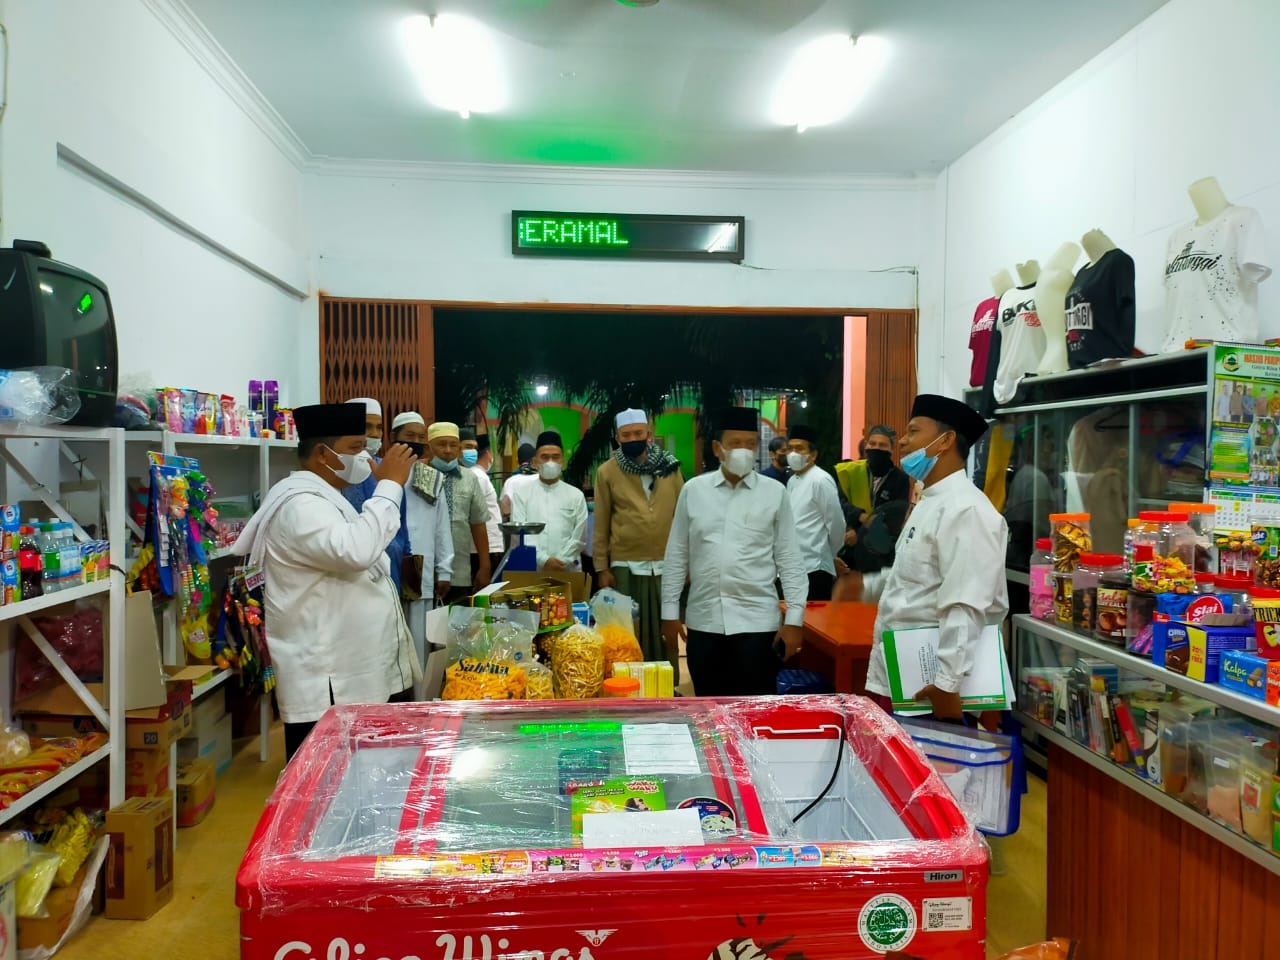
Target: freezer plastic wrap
<point>789,827</point>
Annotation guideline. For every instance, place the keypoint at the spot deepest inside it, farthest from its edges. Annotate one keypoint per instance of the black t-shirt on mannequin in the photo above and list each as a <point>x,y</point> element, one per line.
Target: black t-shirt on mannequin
<point>1100,311</point>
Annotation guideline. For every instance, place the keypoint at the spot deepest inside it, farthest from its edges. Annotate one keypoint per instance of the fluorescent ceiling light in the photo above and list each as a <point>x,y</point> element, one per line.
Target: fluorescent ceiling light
<point>726,238</point>
<point>541,389</point>
<point>456,62</point>
<point>825,80</point>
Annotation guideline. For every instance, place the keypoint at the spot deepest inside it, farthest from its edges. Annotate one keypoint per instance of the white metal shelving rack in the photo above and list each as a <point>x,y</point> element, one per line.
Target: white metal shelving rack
<point>237,466</point>
<point>99,456</point>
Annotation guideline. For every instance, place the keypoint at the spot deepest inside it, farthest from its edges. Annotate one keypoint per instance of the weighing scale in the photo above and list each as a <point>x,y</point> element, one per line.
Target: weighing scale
<point>520,557</point>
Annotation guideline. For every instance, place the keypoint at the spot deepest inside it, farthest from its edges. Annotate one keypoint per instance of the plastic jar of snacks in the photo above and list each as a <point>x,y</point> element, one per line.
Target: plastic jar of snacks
<point>1141,612</point>
<point>621,687</point>
<point>1084,587</point>
<point>1238,588</point>
<point>1041,589</point>
<point>1112,607</point>
<point>1237,553</point>
<point>1171,568</point>
<point>1201,517</point>
<point>1070,538</point>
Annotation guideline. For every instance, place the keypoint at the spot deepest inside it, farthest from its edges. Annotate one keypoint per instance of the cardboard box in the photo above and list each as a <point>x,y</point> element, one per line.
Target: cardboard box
<point>60,713</point>
<point>214,745</point>
<point>1250,674</point>
<point>139,869</point>
<point>196,791</point>
<point>1195,650</point>
<point>43,933</point>
<point>580,583</point>
<point>207,713</point>
<point>146,773</point>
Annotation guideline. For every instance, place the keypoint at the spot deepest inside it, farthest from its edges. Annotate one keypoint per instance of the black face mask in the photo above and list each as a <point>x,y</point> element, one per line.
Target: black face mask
<point>879,462</point>
<point>633,448</point>
<point>419,449</point>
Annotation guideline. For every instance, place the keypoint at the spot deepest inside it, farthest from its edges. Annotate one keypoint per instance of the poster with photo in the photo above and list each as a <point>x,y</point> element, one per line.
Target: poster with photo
<point>1245,414</point>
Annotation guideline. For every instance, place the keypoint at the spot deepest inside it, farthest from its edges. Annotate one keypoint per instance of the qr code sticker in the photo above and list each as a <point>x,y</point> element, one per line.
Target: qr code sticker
<point>947,913</point>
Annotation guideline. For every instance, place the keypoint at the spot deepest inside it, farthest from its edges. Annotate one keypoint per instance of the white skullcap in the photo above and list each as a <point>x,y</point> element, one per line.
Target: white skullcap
<point>628,417</point>
<point>370,405</point>
<point>407,418</point>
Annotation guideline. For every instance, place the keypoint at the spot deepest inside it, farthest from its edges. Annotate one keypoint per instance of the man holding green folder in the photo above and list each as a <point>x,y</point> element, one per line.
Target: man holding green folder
<point>948,573</point>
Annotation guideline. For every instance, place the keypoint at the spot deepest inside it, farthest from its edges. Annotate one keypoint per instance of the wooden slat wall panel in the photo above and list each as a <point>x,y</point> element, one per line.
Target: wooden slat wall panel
<point>1133,882</point>
<point>378,348</point>
<point>891,367</point>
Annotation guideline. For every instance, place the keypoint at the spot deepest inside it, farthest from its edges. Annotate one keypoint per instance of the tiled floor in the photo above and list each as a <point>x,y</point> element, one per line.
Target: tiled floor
<point>203,911</point>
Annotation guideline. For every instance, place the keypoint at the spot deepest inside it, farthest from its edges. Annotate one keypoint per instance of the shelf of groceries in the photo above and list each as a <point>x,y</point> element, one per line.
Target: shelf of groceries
<point>1205,752</point>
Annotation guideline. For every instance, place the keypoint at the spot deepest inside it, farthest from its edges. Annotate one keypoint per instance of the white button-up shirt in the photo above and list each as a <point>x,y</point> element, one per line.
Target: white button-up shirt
<point>815,504</point>
<point>563,509</point>
<point>430,537</point>
<point>948,573</point>
<point>733,543</point>
<point>490,501</point>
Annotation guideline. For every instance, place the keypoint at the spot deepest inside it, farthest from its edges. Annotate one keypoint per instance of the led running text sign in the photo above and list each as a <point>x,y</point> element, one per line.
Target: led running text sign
<point>627,236</point>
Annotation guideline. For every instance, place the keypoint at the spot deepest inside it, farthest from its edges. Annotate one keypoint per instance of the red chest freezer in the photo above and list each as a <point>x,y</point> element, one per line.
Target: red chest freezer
<point>806,828</point>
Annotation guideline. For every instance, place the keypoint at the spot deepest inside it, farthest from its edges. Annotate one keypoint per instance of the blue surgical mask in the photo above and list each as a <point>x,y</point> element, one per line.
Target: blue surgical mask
<point>469,457</point>
<point>444,466</point>
<point>917,464</point>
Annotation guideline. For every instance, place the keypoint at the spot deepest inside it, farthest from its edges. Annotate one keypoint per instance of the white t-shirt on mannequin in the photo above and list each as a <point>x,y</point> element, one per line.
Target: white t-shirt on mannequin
<point>1021,341</point>
<point>1211,278</point>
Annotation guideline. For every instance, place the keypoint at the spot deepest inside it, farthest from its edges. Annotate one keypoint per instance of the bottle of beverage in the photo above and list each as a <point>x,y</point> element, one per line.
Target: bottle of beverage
<point>69,567</point>
<point>30,564</point>
<point>49,558</point>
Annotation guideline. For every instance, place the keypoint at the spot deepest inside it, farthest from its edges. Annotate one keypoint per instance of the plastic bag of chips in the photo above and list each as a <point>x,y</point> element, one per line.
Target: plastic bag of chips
<point>614,614</point>
<point>577,663</point>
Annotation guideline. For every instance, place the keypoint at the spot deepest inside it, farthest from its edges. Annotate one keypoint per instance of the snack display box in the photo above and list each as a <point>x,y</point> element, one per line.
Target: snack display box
<point>795,828</point>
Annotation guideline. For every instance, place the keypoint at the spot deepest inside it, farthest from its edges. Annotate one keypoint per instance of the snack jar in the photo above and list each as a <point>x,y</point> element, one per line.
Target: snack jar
<point>1238,588</point>
<point>1112,607</point>
<point>1071,537</point>
<point>1130,538</point>
<point>1084,587</point>
<point>1237,553</point>
<point>1173,544</point>
<point>1141,613</point>
<point>1201,518</point>
<point>1041,589</point>
<point>622,687</point>
<point>1205,583</point>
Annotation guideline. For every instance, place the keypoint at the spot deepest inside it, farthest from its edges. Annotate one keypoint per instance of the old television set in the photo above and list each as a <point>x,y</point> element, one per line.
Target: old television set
<point>56,315</point>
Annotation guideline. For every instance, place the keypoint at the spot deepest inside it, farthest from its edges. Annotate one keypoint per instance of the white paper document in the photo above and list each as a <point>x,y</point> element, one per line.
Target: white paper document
<point>659,828</point>
<point>911,657</point>
<point>658,748</point>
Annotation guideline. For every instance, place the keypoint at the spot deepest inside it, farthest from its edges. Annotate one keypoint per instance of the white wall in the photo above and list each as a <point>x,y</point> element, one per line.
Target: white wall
<point>108,80</point>
<point>1190,92</point>
<point>444,234</point>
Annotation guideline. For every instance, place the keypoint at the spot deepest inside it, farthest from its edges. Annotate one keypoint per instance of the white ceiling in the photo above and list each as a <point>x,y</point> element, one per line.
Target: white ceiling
<point>683,85</point>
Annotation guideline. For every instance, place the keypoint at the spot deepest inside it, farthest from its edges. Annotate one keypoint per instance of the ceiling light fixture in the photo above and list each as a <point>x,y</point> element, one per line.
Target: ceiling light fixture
<point>541,389</point>
<point>456,62</point>
<point>825,79</point>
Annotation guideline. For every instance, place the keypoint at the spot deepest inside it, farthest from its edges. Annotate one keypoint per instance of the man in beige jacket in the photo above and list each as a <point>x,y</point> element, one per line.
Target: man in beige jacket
<point>635,496</point>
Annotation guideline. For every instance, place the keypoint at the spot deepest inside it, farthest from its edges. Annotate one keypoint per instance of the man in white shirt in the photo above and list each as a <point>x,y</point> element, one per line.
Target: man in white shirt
<point>430,536</point>
<point>815,504</point>
<point>333,619</point>
<point>467,511</point>
<point>552,501</point>
<point>526,473</point>
<point>949,569</point>
<point>477,456</point>
<point>733,537</point>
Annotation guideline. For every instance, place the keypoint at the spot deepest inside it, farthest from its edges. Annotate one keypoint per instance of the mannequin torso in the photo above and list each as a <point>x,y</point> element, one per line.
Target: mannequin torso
<point>1208,199</point>
<point>1000,282</point>
<point>1095,244</point>
<point>1028,273</point>
<point>982,334</point>
<point>1051,305</point>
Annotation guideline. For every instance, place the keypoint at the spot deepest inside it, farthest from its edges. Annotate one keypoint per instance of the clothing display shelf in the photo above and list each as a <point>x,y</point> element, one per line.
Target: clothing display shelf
<point>237,467</point>
<point>1110,441</point>
<point>90,458</point>
<point>1037,644</point>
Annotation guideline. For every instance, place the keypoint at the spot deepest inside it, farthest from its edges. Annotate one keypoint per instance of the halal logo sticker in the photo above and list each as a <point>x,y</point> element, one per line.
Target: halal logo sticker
<point>1230,363</point>
<point>887,922</point>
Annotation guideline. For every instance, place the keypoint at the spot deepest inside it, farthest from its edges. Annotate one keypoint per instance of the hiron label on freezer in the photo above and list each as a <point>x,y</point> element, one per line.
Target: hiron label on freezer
<point>943,876</point>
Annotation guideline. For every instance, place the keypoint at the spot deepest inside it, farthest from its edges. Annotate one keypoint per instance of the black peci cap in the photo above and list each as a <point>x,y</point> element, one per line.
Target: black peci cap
<point>329,420</point>
<point>968,422</point>
<point>738,418</point>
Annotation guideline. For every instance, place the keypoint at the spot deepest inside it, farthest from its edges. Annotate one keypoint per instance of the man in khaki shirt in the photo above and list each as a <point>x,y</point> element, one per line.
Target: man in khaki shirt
<point>635,496</point>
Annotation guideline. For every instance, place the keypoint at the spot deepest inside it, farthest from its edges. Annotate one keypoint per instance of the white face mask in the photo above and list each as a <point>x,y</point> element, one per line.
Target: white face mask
<point>356,467</point>
<point>550,471</point>
<point>740,462</point>
<point>372,445</point>
<point>797,462</point>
